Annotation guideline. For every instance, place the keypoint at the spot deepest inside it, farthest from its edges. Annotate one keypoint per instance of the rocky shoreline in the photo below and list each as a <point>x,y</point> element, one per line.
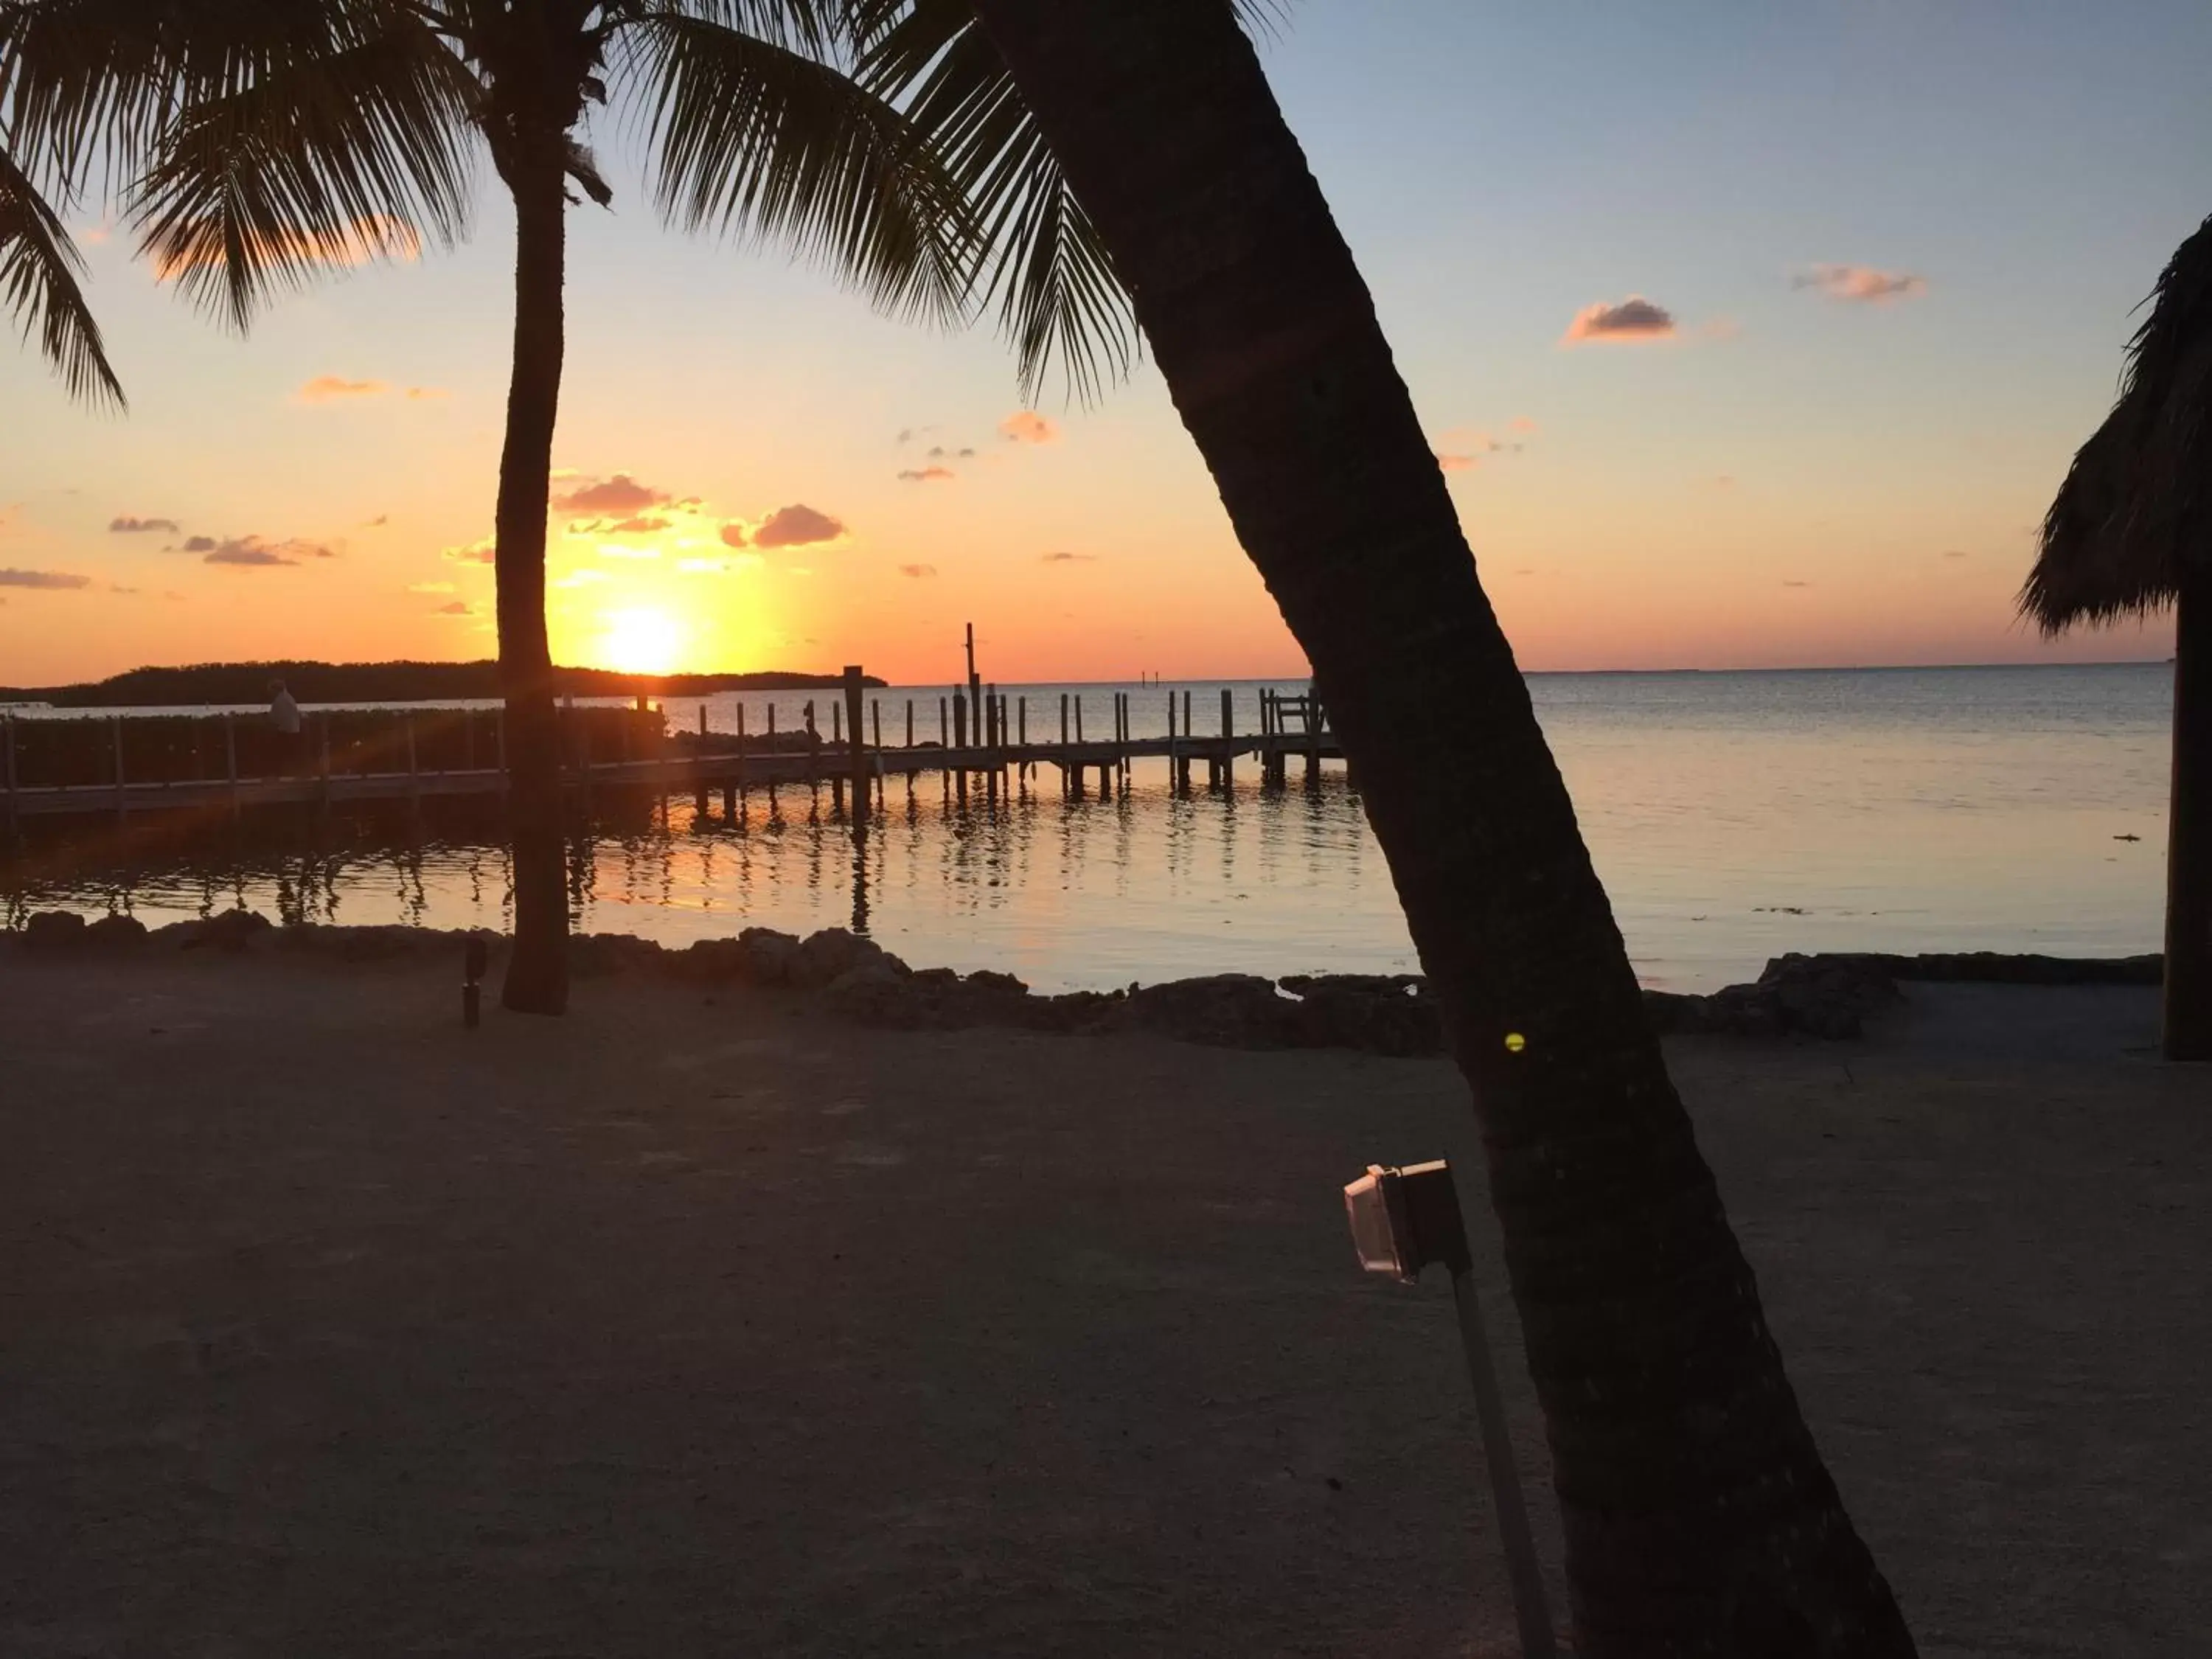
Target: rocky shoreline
<point>1828,997</point>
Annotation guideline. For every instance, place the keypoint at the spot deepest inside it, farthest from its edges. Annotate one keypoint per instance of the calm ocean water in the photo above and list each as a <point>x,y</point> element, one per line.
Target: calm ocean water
<point>1733,816</point>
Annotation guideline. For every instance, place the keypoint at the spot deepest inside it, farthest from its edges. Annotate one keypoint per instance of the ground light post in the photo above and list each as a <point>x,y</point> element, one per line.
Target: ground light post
<point>1402,1220</point>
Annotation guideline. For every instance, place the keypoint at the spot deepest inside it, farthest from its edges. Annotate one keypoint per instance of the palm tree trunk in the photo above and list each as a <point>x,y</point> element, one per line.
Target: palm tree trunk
<point>2188,1019</point>
<point>1699,1516</point>
<point>537,976</point>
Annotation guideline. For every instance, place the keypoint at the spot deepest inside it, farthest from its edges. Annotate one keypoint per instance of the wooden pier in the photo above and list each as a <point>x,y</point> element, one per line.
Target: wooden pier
<point>996,745</point>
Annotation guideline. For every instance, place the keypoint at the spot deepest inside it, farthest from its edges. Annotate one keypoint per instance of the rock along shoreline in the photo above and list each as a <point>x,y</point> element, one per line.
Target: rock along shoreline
<point>1826,996</point>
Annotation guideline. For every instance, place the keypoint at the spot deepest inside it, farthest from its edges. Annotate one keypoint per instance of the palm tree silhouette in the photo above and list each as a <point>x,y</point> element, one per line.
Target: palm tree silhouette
<point>268,140</point>
<point>1699,1515</point>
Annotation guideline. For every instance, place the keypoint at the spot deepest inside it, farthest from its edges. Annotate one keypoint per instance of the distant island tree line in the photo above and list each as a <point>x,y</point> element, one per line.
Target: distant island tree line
<point>385,682</point>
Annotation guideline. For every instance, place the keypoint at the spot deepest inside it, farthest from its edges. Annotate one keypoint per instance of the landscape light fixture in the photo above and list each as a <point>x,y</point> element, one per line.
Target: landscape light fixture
<point>474,958</point>
<point>1402,1220</point>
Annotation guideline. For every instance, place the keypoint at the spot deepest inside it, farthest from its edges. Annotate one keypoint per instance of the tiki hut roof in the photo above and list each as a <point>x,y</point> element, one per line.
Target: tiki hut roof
<point>2136,509</point>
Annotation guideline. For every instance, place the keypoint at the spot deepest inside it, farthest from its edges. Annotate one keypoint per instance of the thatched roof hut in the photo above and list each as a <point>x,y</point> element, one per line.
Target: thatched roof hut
<point>2130,533</point>
<point>2136,509</point>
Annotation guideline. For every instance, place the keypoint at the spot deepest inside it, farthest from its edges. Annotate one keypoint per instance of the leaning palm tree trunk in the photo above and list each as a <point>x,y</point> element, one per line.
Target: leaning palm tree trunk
<point>537,976</point>
<point>1699,1516</point>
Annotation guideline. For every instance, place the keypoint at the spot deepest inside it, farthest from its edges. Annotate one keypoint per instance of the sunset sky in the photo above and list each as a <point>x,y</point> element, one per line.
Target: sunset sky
<point>1751,336</point>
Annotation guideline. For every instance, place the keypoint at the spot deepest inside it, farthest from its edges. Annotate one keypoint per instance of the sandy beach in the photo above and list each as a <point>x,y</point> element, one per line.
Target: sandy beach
<point>697,1323</point>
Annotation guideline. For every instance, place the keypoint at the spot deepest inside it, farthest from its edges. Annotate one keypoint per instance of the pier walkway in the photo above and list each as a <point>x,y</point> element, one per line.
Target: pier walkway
<point>986,743</point>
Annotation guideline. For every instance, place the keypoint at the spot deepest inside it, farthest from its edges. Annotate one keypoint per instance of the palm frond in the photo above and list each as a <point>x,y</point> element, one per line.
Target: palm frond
<point>323,159</point>
<point>1041,264</point>
<point>39,268</point>
<point>812,28</point>
<point>105,78</point>
<point>753,139</point>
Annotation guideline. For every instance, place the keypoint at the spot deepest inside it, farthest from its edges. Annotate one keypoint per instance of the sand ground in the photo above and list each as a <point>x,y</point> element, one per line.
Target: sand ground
<point>693,1325</point>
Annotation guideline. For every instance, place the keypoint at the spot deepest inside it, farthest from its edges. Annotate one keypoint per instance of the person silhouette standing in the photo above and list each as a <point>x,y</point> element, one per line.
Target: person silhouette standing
<point>284,715</point>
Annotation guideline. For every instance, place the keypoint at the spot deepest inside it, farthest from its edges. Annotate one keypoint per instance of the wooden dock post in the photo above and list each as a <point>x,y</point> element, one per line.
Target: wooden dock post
<point>115,744</point>
<point>876,730</point>
<point>837,742</point>
<point>960,743</point>
<point>1228,735</point>
<point>813,753</point>
<point>986,729</point>
<point>740,768</point>
<point>699,798</point>
<point>998,740</point>
<point>7,770</point>
<point>854,753</point>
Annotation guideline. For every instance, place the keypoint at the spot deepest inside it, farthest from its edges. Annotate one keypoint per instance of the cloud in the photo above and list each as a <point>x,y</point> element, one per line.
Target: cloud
<point>376,523</point>
<point>371,236</point>
<point>45,579</point>
<point>797,526</point>
<point>1634,319</point>
<point>939,452</point>
<point>429,587</point>
<point>476,552</point>
<point>331,388</point>
<point>620,494</point>
<point>917,571</point>
<point>419,394</point>
<point>1861,284</point>
<point>1786,582</point>
<point>1522,423</point>
<point>1458,462</point>
<point>610,552</point>
<point>1026,426</point>
<point>735,535</point>
<point>252,553</point>
<point>124,525</point>
<point>1955,553</point>
<point>457,608</point>
<point>118,588</point>
<point>1071,558</point>
<point>927,474</point>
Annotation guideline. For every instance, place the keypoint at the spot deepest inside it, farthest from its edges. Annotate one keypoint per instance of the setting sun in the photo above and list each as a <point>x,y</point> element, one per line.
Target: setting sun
<point>638,640</point>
